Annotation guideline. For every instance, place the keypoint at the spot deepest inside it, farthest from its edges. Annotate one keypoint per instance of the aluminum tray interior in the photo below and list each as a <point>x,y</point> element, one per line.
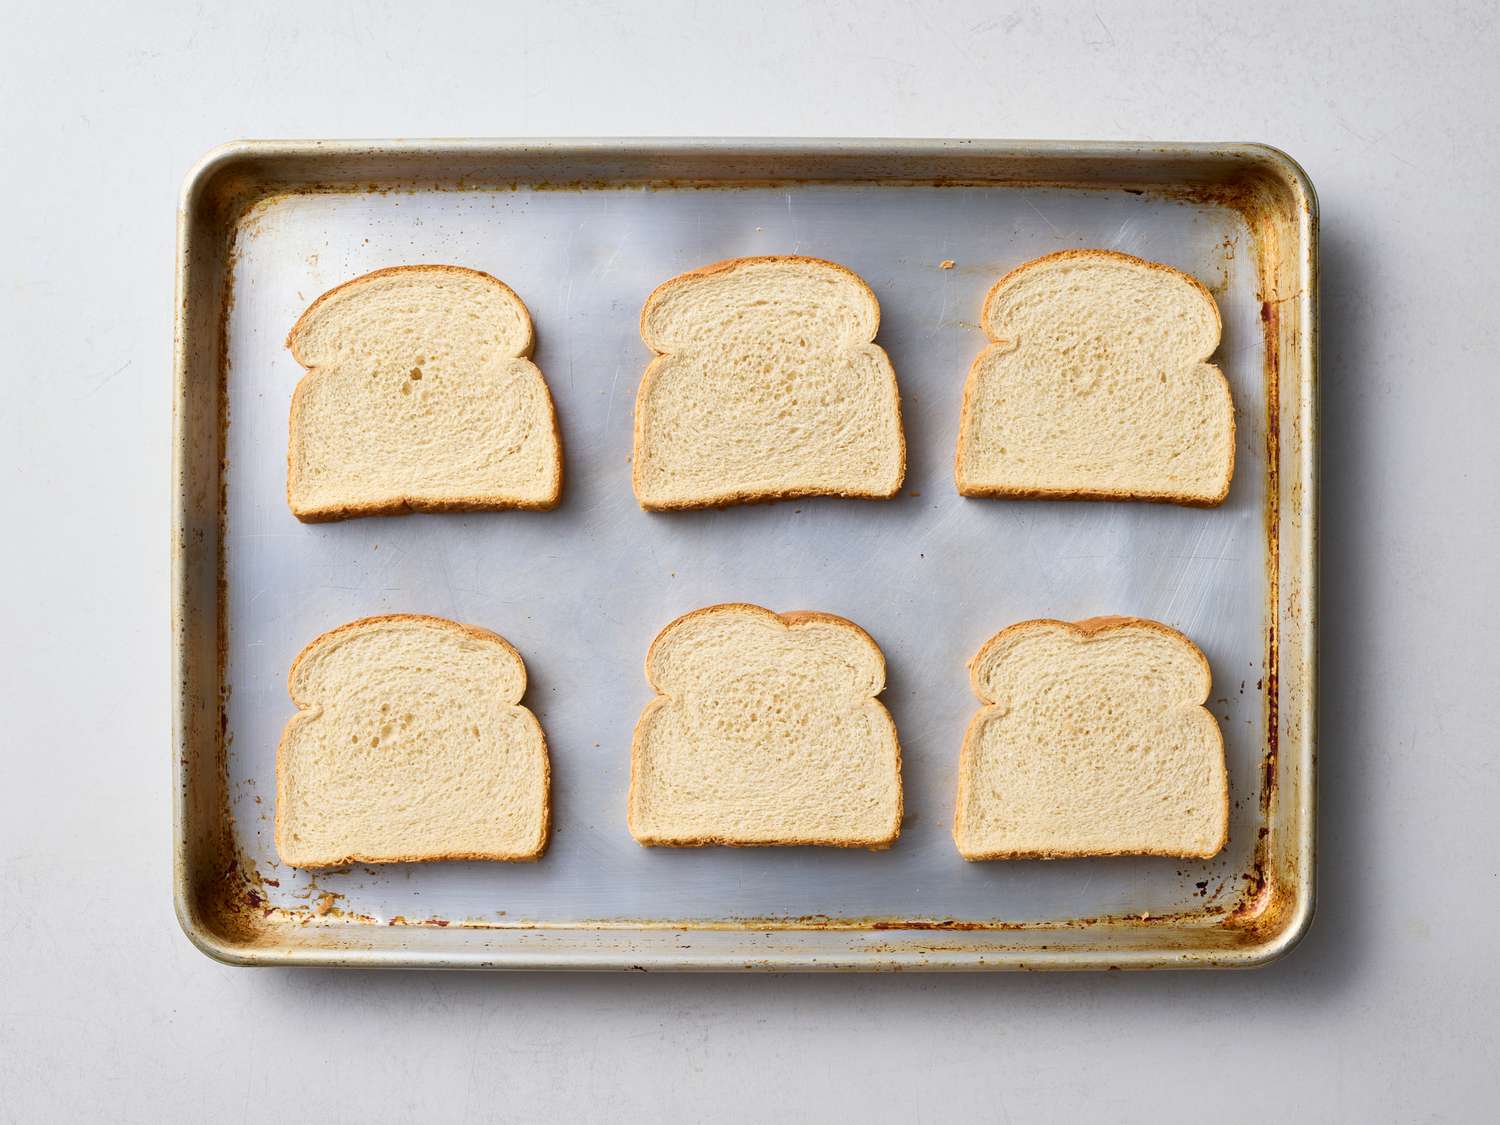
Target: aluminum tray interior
<point>582,590</point>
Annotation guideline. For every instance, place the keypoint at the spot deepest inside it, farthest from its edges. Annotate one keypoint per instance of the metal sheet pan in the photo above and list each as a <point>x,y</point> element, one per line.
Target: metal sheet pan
<point>583,231</point>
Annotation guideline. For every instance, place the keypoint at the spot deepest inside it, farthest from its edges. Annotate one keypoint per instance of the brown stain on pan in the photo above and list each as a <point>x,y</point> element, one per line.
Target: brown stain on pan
<point>1270,317</point>
<point>243,894</point>
<point>231,902</point>
<point>830,923</point>
<point>1248,197</point>
<point>1257,902</point>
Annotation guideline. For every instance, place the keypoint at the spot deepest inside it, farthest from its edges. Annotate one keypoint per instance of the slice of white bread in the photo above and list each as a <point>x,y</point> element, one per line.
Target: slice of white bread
<point>419,397</point>
<point>767,386</point>
<point>410,744</point>
<point>1094,741</point>
<point>1096,386</point>
<point>765,730</point>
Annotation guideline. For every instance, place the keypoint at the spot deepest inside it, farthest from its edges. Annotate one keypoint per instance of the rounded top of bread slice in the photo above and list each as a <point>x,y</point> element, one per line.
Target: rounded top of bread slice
<point>1112,304</point>
<point>1015,656</point>
<point>700,646</point>
<point>793,300</point>
<point>330,659</point>
<point>414,315</point>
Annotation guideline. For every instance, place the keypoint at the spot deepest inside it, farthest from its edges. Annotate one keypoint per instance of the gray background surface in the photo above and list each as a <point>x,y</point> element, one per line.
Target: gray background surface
<point>1385,1012</point>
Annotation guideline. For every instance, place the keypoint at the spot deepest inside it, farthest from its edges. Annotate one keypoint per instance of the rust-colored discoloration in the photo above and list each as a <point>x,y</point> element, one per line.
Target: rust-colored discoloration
<point>926,924</point>
<point>1258,890</point>
<point>1256,901</point>
<point>1256,200</point>
<point>769,924</point>
<point>1271,328</point>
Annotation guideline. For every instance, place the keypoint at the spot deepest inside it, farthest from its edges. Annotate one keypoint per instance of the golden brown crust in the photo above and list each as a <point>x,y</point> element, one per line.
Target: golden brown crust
<point>654,298</point>
<point>1002,492</point>
<point>293,338</point>
<point>647,841</point>
<point>475,631</point>
<point>1087,627</point>
<point>1027,493</point>
<point>980,857</point>
<point>770,496</point>
<point>748,496</point>
<point>404,505</point>
<point>789,620</point>
<point>1083,254</point>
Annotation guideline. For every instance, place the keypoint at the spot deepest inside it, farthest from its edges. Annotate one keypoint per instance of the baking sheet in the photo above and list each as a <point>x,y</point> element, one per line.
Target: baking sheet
<point>582,590</point>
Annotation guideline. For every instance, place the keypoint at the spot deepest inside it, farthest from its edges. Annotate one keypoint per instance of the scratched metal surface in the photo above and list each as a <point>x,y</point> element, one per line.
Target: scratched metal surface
<point>582,590</point>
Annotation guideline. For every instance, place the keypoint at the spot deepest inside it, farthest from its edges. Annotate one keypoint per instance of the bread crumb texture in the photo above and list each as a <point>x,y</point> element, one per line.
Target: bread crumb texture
<point>1093,741</point>
<point>1096,386</point>
<point>766,385</point>
<point>765,730</point>
<point>419,396</point>
<point>410,744</point>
